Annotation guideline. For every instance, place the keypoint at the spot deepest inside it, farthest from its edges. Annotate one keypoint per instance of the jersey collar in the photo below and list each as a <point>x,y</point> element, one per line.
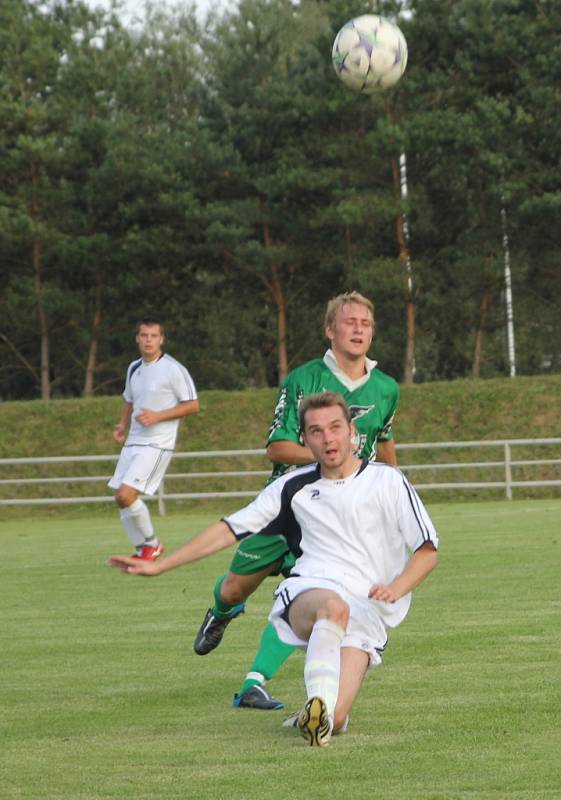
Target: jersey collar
<point>331,362</point>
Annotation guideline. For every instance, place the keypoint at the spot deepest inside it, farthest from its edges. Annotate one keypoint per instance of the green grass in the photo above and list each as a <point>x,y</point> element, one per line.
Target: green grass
<point>103,696</point>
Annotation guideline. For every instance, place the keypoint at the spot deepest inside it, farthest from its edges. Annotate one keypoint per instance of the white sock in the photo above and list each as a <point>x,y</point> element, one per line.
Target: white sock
<point>323,662</point>
<point>255,676</point>
<point>137,522</point>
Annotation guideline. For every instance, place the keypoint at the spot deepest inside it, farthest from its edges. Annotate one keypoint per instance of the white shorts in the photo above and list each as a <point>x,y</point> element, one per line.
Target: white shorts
<point>365,629</point>
<point>141,467</point>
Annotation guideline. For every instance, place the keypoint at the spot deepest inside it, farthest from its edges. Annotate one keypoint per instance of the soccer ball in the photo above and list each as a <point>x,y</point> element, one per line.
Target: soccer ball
<point>369,53</point>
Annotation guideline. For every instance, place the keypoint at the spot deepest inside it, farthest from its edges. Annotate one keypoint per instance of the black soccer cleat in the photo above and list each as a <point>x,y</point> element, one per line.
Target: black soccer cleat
<point>257,697</point>
<point>212,630</point>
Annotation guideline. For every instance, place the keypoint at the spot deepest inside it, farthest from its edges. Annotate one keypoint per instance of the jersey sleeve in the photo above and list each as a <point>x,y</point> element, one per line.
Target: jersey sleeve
<point>127,393</point>
<point>386,433</point>
<point>413,520</point>
<point>260,515</point>
<point>183,384</point>
<point>285,425</point>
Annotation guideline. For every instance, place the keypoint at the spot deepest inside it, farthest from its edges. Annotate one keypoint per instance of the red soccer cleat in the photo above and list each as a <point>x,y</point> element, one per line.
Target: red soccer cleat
<point>150,553</point>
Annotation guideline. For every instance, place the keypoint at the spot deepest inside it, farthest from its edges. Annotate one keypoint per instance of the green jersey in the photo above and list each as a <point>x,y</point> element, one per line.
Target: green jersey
<point>373,403</point>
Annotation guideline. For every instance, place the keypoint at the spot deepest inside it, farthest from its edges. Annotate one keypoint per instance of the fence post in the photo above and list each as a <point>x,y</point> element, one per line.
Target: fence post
<point>161,503</point>
<point>508,472</point>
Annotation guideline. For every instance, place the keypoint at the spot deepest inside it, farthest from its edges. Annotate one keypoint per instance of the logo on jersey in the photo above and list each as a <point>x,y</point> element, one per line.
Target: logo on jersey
<point>360,411</point>
<point>314,494</point>
<point>359,439</point>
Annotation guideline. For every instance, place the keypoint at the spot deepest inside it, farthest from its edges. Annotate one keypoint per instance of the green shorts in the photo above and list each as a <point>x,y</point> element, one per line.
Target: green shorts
<point>258,552</point>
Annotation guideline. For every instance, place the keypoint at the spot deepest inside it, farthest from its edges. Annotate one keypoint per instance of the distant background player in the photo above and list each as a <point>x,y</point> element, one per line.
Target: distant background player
<point>158,392</point>
<point>372,397</point>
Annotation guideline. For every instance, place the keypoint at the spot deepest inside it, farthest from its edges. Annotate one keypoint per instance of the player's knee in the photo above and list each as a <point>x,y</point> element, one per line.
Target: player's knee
<point>125,496</point>
<point>335,609</point>
<point>233,589</point>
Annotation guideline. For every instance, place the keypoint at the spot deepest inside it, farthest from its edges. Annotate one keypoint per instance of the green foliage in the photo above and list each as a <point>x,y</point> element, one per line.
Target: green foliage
<point>221,177</point>
<point>474,96</point>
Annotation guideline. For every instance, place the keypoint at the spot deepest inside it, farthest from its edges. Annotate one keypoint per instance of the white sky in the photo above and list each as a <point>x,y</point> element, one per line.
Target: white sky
<point>134,8</point>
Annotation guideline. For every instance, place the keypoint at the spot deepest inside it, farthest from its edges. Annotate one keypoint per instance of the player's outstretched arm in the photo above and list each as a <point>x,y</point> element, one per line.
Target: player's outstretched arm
<point>423,561</point>
<point>216,537</point>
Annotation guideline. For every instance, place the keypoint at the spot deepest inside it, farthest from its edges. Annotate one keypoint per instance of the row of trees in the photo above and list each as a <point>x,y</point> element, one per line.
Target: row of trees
<point>220,176</point>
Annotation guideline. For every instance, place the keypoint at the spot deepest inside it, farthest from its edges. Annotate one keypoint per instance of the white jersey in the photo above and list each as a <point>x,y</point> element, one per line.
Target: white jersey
<point>357,532</point>
<point>156,385</point>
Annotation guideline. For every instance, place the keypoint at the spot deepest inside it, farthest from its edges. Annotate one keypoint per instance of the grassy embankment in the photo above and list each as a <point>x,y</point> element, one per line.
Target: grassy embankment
<point>443,411</point>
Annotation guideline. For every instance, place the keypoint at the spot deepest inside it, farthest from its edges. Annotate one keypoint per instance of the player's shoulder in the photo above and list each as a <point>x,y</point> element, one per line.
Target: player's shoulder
<point>133,366</point>
<point>380,471</point>
<point>172,364</point>
<point>306,371</point>
<point>384,379</point>
<point>170,361</point>
<point>384,383</point>
<point>296,478</point>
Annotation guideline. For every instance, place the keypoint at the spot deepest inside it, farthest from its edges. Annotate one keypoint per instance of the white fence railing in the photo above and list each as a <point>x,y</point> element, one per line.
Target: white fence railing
<point>506,465</point>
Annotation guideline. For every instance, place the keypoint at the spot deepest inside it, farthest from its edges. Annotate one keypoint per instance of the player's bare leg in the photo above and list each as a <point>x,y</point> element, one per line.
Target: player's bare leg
<point>237,588</point>
<point>354,663</point>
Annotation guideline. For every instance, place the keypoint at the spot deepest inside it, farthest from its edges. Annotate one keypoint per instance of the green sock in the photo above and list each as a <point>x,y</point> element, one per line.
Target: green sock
<point>271,655</point>
<point>220,609</point>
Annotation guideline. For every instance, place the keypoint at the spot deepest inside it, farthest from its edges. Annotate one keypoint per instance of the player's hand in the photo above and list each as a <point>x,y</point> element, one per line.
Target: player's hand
<point>147,417</point>
<point>384,594</point>
<point>134,566</point>
<point>119,433</point>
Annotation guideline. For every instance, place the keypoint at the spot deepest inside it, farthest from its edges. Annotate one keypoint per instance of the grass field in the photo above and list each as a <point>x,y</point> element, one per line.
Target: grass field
<point>103,696</point>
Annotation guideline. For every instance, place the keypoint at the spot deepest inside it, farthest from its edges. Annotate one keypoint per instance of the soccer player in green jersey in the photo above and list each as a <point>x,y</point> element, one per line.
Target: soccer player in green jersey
<point>372,397</point>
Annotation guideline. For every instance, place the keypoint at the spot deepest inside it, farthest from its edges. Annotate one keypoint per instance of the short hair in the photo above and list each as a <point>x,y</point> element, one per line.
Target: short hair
<point>150,321</point>
<point>341,300</point>
<point>322,400</point>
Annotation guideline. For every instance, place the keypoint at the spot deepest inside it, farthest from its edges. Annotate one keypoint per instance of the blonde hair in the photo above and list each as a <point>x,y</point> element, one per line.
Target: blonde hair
<point>344,299</point>
<point>322,400</point>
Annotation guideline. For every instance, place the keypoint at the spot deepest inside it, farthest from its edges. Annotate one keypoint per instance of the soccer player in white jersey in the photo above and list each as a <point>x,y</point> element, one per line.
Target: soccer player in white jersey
<point>159,391</point>
<point>362,540</point>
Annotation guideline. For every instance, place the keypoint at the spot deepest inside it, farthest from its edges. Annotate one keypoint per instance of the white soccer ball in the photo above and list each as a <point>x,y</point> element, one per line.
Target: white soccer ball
<point>369,53</point>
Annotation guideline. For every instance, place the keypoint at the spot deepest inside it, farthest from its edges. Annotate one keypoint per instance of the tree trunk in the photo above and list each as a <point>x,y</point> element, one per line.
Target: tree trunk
<point>278,296</point>
<point>483,309</point>
<point>277,292</point>
<point>405,261</point>
<point>91,363</point>
<point>409,366</point>
<point>43,323</point>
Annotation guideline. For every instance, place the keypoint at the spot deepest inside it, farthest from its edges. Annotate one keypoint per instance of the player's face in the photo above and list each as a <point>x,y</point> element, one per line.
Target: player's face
<point>329,436</point>
<point>150,340</point>
<point>352,331</point>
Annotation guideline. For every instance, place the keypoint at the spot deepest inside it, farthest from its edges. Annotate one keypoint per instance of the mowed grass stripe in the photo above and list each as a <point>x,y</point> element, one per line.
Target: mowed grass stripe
<point>103,696</point>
